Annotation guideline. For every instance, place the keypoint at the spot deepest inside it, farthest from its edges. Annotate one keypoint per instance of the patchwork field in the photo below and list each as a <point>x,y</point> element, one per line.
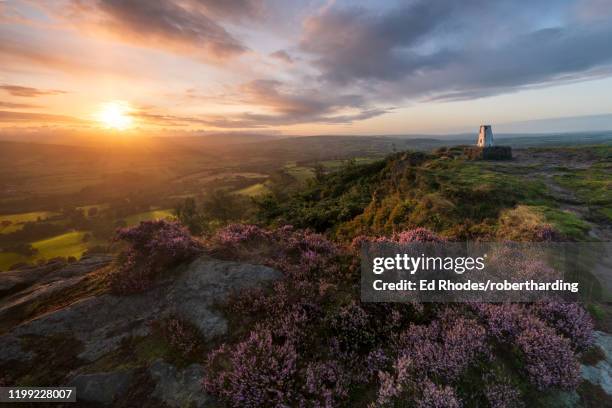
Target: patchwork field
<point>149,215</point>
<point>71,244</point>
<point>14,222</point>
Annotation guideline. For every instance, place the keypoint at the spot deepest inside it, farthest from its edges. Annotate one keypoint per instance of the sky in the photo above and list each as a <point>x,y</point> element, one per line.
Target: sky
<point>305,67</point>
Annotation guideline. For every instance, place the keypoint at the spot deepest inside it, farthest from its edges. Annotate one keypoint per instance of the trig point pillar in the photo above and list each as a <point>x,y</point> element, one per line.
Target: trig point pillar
<point>485,136</point>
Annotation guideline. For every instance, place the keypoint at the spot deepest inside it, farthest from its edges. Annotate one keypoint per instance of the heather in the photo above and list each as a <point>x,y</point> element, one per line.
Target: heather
<point>308,341</point>
<point>152,248</point>
<point>305,339</point>
<point>182,338</point>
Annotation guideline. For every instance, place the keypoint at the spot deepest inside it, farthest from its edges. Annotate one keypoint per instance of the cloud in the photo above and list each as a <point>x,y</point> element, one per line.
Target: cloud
<point>292,106</point>
<point>28,92</point>
<point>188,27</point>
<point>282,105</point>
<point>448,50</point>
<point>15,117</point>
<point>282,56</point>
<point>11,105</point>
<point>233,9</point>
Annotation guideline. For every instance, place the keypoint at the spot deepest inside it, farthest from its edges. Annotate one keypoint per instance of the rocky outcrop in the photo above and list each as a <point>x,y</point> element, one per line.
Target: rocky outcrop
<point>179,387</point>
<point>23,290</point>
<point>601,372</point>
<point>100,323</point>
<point>102,388</point>
<point>206,282</point>
<point>47,273</point>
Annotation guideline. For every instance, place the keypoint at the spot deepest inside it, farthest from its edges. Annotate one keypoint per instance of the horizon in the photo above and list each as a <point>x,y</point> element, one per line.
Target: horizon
<point>289,68</point>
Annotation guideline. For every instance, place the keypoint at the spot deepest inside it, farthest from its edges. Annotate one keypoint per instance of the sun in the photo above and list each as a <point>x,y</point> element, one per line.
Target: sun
<point>115,115</point>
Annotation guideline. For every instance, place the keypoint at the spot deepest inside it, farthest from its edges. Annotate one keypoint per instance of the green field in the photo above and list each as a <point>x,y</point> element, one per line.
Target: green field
<point>255,190</point>
<point>69,244</point>
<point>337,164</point>
<point>10,258</point>
<point>64,245</point>
<point>300,173</point>
<point>149,215</point>
<point>17,220</point>
<point>86,208</point>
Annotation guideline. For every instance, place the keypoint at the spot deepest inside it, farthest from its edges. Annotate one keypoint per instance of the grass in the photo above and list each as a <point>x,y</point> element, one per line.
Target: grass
<point>69,244</point>
<point>337,164</point>
<point>17,220</point>
<point>592,185</point>
<point>300,173</point>
<point>64,245</point>
<point>149,215</point>
<point>254,190</point>
<point>10,258</point>
<point>566,222</point>
<point>521,221</point>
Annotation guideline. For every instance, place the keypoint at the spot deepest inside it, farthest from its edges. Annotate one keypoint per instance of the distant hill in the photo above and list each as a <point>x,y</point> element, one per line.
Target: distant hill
<point>574,124</point>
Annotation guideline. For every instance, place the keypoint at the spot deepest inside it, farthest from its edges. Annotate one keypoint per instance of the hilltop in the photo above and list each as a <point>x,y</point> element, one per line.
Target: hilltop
<point>455,197</point>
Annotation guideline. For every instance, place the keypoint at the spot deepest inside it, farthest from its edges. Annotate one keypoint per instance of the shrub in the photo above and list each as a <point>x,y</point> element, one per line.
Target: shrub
<point>352,332</point>
<point>327,384</point>
<point>436,396</point>
<point>393,384</point>
<point>254,373</point>
<point>503,396</point>
<point>548,358</point>
<point>445,348</point>
<point>180,335</point>
<point>153,247</point>
<point>404,237</point>
<point>300,254</point>
<point>417,235</point>
<point>569,319</point>
<point>326,344</point>
<point>404,386</point>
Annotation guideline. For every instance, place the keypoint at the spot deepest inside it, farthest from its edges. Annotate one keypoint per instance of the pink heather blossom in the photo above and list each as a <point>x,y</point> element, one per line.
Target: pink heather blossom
<point>445,347</point>
<point>313,344</point>
<point>297,253</point>
<point>569,319</point>
<point>327,384</point>
<point>548,357</point>
<point>437,396</point>
<point>153,247</point>
<point>393,384</point>
<point>254,373</point>
<point>503,396</point>
<point>549,360</point>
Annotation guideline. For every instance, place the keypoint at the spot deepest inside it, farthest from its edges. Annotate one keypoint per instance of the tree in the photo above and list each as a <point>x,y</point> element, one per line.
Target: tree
<point>222,206</point>
<point>190,216</point>
<point>319,171</point>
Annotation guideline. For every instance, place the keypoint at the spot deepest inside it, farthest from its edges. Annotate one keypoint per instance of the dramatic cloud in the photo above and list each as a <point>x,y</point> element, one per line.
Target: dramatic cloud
<point>28,92</point>
<point>283,106</point>
<point>185,27</point>
<point>324,62</point>
<point>11,105</point>
<point>293,106</point>
<point>27,117</point>
<point>443,49</point>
